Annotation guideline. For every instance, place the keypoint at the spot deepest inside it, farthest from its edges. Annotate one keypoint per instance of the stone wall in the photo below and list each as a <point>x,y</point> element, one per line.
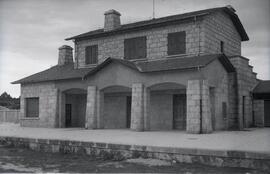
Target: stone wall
<point>219,27</point>
<point>246,81</point>
<point>198,107</point>
<point>202,36</point>
<point>218,83</point>
<point>48,110</point>
<point>258,106</point>
<point>110,151</point>
<point>113,46</point>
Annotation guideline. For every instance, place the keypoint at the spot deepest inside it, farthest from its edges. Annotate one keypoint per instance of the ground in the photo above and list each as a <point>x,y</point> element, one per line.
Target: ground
<point>23,160</point>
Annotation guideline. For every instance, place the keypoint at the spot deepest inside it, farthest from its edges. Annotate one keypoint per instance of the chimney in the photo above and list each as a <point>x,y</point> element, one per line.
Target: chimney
<point>65,55</point>
<point>112,20</point>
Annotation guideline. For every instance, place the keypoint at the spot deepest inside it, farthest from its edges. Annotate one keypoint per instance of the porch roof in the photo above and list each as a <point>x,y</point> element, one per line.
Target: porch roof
<point>65,72</point>
<point>262,90</point>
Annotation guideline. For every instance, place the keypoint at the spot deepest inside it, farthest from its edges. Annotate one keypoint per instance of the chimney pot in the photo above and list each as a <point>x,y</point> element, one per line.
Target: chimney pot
<point>65,55</point>
<point>112,20</point>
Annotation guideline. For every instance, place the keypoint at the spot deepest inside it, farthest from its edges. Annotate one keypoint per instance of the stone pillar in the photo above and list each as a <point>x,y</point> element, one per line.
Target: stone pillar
<point>137,107</point>
<point>61,108</point>
<point>146,106</point>
<point>91,108</point>
<point>94,108</point>
<point>100,109</point>
<point>198,107</point>
<point>206,111</point>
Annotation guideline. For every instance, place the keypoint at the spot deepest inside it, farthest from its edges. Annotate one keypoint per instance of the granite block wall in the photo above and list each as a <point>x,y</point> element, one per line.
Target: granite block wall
<point>198,107</point>
<point>48,109</point>
<point>246,81</point>
<point>113,46</point>
<point>219,27</point>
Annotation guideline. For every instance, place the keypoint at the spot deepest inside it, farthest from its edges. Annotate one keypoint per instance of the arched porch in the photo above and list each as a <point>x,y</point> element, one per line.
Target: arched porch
<point>72,108</point>
<point>117,107</point>
<point>167,107</point>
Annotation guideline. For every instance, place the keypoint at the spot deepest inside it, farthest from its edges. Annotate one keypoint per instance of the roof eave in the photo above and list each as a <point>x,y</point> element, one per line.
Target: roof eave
<point>119,31</point>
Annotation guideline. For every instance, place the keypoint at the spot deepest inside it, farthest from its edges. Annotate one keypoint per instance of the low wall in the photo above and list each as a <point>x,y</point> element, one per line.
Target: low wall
<point>106,151</point>
<point>10,116</point>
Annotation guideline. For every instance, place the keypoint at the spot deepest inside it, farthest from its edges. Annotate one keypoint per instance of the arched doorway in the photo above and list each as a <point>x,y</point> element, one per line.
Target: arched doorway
<point>167,106</point>
<point>74,107</point>
<point>117,107</point>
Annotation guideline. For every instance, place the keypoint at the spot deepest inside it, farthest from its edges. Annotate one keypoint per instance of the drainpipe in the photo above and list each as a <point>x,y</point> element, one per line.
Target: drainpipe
<point>200,85</point>
<point>200,106</point>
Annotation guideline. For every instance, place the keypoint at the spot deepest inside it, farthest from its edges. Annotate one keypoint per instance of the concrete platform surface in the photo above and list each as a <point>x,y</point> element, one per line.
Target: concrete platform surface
<point>252,140</point>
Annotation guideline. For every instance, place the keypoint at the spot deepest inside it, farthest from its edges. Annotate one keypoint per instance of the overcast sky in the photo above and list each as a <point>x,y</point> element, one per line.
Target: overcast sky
<point>31,31</point>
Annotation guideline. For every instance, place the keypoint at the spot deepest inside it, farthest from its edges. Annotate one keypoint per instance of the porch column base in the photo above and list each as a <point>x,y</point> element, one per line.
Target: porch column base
<point>198,107</point>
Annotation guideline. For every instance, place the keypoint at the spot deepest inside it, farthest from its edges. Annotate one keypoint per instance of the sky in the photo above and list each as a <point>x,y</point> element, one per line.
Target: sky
<point>31,31</point>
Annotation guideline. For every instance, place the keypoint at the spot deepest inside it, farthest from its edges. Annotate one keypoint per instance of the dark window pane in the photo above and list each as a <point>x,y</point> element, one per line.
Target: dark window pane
<point>91,54</point>
<point>177,43</point>
<point>135,48</point>
<point>32,107</point>
<point>221,46</point>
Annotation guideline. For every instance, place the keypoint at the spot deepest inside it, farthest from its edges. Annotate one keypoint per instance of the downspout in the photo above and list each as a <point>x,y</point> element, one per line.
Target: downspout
<point>200,85</point>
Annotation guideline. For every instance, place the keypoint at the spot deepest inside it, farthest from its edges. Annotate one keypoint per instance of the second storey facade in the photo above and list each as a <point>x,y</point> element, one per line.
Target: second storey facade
<point>204,32</point>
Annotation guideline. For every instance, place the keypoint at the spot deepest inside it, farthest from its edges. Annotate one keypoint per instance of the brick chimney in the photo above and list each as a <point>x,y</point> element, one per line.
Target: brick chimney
<point>65,55</point>
<point>112,20</point>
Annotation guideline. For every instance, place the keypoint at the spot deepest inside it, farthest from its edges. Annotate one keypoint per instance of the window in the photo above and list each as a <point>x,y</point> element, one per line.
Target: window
<point>177,43</point>
<point>91,54</point>
<point>224,109</point>
<point>221,46</point>
<point>135,48</point>
<point>32,107</point>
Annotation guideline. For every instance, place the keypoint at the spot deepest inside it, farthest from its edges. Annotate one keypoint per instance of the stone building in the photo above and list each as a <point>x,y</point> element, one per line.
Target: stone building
<point>181,72</point>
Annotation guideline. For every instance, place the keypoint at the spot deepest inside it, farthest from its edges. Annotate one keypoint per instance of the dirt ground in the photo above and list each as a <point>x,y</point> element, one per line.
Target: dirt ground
<point>24,160</point>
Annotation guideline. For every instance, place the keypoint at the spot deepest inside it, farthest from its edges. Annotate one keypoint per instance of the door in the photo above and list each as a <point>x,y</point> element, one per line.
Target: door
<point>128,111</point>
<point>179,111</point>
<point>68,115</point>
<point>266,113</point>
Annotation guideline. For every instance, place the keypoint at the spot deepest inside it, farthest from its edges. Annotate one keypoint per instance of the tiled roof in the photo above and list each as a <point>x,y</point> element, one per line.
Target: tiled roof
<point>62,72</point>
<point>65,72</point>
<point>164,21</point>
<point>262,87</point>
<point>176,63</point>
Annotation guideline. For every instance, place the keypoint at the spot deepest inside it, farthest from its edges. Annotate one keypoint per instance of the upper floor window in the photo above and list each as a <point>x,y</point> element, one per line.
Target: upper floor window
<point>32,107</point>
<point>177,43</point>
<point>221,46</point>
<point>91,54</point>
<point>135,48</point>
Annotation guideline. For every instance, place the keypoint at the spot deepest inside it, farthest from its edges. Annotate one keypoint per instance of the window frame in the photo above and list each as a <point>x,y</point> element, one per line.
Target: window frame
<point>171,48</point>
<point>88,54</point>
<point>134,45</point>
<point>27,100</point>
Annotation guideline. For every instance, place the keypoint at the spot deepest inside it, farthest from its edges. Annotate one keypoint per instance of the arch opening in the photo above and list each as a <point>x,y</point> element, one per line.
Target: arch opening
<point>167,106</point>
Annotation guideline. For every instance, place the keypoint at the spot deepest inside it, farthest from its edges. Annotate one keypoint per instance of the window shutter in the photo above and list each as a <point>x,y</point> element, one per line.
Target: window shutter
<point>177,43</point>
<point>91,54</point>
<point>32,107</point>
<point>135,48</point>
